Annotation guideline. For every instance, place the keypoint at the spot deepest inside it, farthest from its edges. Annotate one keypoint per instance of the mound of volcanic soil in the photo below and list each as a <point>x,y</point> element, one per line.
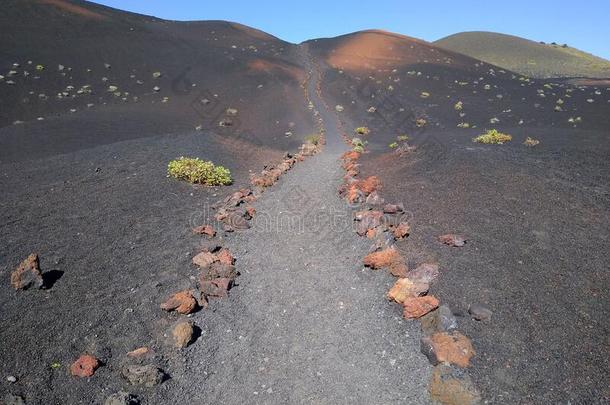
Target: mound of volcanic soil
<point>535,59</point>
<point>535,218</point>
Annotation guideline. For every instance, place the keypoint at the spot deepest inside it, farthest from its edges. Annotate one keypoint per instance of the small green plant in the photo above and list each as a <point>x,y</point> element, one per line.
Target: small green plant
<point>393,145</point>
<point>463,125</point>
<point>313,139</point>
<point>195,170</point>
<point>357,145</point>
<point>458,106</point>
<point>402,138</point>
<point>362,130</point>
<point>492,136</point>
<point>420,122</point>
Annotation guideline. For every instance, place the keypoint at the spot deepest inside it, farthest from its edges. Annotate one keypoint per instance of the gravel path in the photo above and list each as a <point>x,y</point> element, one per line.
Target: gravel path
<point>307,324</point>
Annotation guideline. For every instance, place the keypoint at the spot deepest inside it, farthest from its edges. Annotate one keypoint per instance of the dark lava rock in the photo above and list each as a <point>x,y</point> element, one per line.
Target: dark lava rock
<point>122,398</point>
<point>148,375</point>
<point>480,313</point>
<point>28,274</point>
<point>440,320</point>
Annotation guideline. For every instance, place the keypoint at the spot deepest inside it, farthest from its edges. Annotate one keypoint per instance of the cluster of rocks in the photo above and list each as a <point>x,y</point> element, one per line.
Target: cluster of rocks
<point>446,348</point>
<point>271,174</point>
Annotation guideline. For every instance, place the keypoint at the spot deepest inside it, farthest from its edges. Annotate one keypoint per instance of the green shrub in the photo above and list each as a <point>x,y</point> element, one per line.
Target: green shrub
<point>195,170</point>
<point>362,131</point>
<point>313,139</point>
<point>402,138</point>
<point>393,145</point>
<point>492,136</point>
<point>420,122</point>
<point>358,149</point>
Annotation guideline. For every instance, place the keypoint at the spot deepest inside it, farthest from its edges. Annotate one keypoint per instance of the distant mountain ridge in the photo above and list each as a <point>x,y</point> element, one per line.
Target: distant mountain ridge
<point>527,57</point>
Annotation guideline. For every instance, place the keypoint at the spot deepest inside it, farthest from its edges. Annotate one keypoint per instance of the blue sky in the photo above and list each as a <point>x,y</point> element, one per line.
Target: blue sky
<point>584,24</point>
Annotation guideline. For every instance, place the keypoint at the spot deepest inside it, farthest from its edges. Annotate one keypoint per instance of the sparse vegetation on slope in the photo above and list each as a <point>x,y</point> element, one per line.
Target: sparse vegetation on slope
<point>195,170</point>
<point>494,137</point>
<point>527,57</point>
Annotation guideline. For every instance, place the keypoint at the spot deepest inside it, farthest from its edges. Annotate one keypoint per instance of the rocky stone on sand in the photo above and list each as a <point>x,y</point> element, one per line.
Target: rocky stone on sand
<point>218,270</point>
<point>27,274</point>
<point>374,198</point>
<point>139,352</point>
<point>388,258</point>
<point>401,231</point>
<point>393,208</point>
<point>439,320</point>
<point>122,398</point>
<point>224,256</point>
<point>148,375</point>
<point>360,189</point>
<point>204,259</point>
<point>424,273</point>
<point>217,287</point>
<point>405,288</point>
<point>479,312</point>
<point>205,230</point>
<point>444,347</point>
<point>416,307</point>
<point>451,239</point>
<point>367,220</point>
<point>183,334</point>
<point>84,366</point>
<point>182,302</point>
<point>452,386</point>
<point>250,212</point>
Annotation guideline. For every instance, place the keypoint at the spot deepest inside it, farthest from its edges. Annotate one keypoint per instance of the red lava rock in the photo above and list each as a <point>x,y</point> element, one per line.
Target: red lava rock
<point>217,287</point>
<point>452,240</point>
<point>362,188</point>
<point>416,307</point>
<point>182,302</point>
<point>452,386</point>
<point>250,211</point>
<point>405,288</point>
<point>205,230</point>
<point>225,257</point>
<point>27,274</point>
<point>369,184</point>
<point>204,259</point>
<point>371,233</point>
<point>350,155</point>
<point>443,347</point>
<point>84,366</point>
<point>388,258</point>
<point>401,230</point>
